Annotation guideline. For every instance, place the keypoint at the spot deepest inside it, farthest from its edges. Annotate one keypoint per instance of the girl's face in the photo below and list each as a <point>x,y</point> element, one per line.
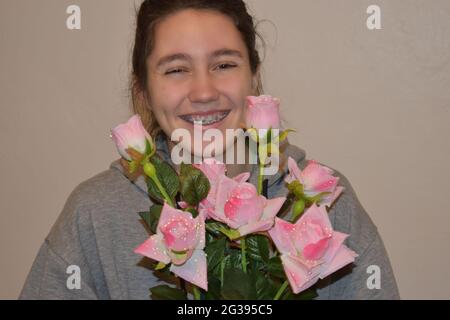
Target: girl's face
<point>199,69</point>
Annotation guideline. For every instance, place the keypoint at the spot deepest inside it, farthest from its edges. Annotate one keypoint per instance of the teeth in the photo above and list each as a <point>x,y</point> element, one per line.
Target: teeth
<point>206,120</point>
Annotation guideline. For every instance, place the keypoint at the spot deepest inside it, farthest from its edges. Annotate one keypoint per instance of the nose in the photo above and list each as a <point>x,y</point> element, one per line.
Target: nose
<point>203,89</point>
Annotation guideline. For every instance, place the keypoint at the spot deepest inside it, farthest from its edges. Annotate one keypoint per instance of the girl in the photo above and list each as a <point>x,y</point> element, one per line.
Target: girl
<point>192,59</point>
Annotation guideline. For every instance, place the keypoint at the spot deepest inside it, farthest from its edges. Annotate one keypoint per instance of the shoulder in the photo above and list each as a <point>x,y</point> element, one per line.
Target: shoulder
<point>103,187</point>
<point>95,204</point>
<point>348,215</point>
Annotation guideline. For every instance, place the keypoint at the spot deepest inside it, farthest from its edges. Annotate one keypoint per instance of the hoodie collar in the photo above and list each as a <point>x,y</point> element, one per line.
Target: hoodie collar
<point>163,150</point>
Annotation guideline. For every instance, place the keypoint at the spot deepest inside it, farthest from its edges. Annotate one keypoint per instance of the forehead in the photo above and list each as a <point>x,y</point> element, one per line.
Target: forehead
<point>196,33</point>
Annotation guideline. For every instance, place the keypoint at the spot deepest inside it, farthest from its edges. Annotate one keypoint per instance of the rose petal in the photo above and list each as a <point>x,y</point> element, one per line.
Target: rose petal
<point>169,213</point>
<point>298,275</point>
<point>336,245</point>
<point>255,227</point>
<point>328,200</point>
<point>336,242</point>
<point>244,205</point>
<point>212,168</point>
<point>272,207</point>
<point>224,187</point>
<point>193,270</point>
<point>318,216</point>
<point>315,251</point>
<point>294,171</point>
<point>263,112</point>
<point>281,236</point>
<point>154,248</point>
<point>201,232</point>
<point>343,257</point>
<point>241,178</point>
<point>183,204</point>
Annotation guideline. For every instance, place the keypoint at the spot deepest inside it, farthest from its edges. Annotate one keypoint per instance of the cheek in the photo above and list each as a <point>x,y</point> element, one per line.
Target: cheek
<point>164,100</point>
<point>237,90</point>
<point>239,84</point>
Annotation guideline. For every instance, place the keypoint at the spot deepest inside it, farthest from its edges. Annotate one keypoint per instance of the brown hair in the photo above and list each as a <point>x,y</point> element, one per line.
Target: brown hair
<point>153,11</point>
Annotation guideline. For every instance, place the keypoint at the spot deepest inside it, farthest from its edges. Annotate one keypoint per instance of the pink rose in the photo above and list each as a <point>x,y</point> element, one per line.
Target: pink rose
<point>310,249</point>
<point>238,205</point>
<point>263,112</point>
<point>131,134</point>
<point>213,170</point>
<point>315,179</point>
<point>179,240</point>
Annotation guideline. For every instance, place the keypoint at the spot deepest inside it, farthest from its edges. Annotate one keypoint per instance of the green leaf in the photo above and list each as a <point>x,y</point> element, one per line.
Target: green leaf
<point>238,286</point>
<point>168,178</point>
<point>215,252</point>
<point>208,238</point>
<point>283,135</point>
<point>258,247</point>
<point>192,211</point>
<point>151,218</point>
<point>160,266</point>
<point>194,184</point>
<point>164,292</point>
<point>233,259</point>
<point>219,229</point>
<point>266,289</point>
<point>214,227</point>
<point>309,294</point>
<point>214,289</point>
<point>275,268</point>
<point>232,234</point>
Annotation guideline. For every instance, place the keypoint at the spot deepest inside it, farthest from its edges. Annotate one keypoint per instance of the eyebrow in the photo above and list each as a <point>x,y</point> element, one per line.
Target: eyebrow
<point>181,56</point>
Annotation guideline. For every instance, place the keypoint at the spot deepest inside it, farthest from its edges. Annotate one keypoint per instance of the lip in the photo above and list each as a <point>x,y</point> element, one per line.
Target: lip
<point>209,126</point>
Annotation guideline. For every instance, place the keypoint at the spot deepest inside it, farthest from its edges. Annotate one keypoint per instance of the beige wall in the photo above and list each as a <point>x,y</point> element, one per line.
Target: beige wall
<point>373,104</point>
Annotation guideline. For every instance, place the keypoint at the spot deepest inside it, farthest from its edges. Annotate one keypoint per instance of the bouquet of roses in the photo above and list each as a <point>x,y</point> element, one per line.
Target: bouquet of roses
<point>221,234</point>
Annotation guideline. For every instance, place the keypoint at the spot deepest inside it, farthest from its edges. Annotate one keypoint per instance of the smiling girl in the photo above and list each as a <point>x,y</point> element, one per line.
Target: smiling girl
<point>193,60</point>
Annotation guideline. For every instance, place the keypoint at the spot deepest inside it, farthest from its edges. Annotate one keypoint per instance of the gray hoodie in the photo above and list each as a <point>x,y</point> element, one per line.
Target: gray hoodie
<point>99,227</point>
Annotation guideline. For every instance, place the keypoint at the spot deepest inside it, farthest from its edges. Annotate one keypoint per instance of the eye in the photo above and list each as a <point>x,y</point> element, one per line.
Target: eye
<point>174,71</point>
<point>224,66</point>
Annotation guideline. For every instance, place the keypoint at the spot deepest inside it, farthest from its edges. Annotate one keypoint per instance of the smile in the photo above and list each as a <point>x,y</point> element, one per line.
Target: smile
<point>206,118</point>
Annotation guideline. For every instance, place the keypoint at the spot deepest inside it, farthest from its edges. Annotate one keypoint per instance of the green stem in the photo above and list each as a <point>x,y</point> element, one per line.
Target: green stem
<point>222,267</point>
<point>281,290</point>
<point>150,171</point>
<point>260,178</point>
<point>163,191</point>
<point>244,258</point>
<point>196,293</point>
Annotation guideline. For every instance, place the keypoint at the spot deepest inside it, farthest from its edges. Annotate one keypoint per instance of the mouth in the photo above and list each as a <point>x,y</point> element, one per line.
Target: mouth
<point>207,118</point>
